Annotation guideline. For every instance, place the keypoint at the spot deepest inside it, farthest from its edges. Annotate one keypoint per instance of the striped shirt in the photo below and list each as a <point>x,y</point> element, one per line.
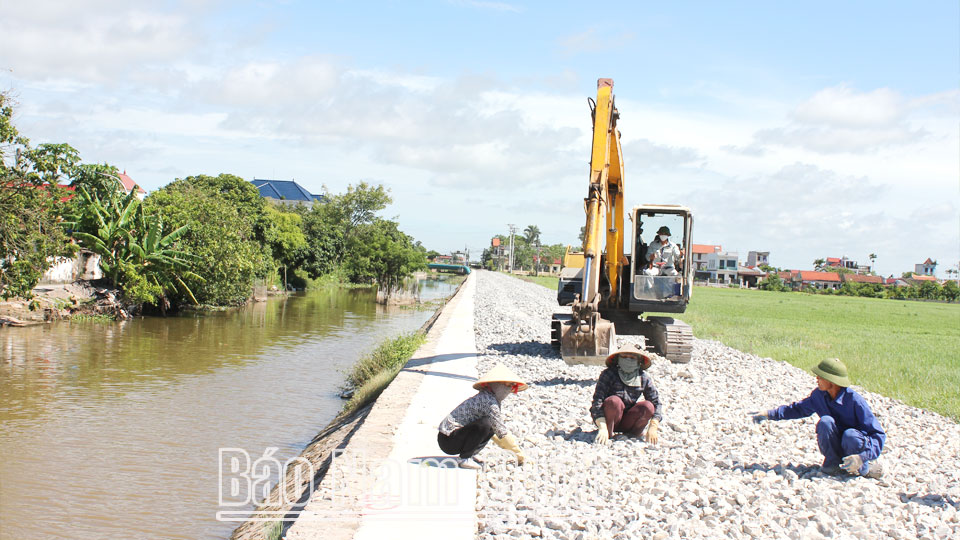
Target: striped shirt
<point>484,404</point>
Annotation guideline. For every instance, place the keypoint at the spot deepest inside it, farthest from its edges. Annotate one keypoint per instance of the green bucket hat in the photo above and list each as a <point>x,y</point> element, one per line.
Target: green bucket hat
<point>833,370</point>
<point>664,230</point>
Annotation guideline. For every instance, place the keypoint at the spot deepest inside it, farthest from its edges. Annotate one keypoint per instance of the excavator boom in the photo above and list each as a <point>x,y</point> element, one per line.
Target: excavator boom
<point>586,337</point>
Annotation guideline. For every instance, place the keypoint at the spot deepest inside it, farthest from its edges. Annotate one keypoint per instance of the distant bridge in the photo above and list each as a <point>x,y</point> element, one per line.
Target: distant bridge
<point>458,268</point>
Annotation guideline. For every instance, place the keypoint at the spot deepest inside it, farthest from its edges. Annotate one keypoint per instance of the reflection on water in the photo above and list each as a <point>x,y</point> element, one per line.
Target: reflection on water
<point>114,429</point>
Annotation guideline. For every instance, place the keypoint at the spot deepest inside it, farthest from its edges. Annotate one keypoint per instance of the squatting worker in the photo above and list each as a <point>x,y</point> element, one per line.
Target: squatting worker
<point>468,428</point>
<point>849,436</point>
<point>663,255</point>
<point>625,400</point>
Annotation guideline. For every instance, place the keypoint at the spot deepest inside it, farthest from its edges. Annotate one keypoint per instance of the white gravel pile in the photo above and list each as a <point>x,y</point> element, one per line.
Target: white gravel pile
<point>714,473</point>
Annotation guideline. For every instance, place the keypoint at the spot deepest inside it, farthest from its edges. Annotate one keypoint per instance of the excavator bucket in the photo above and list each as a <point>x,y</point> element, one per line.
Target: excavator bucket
<point>580,344</point>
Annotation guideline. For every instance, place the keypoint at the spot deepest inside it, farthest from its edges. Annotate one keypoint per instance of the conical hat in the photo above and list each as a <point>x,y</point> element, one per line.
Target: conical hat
<point>500,374</point>
<point>645,359</point>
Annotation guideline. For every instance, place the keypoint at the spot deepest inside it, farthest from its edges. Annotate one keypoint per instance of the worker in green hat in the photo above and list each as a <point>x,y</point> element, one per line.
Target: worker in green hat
<point>849,436</point>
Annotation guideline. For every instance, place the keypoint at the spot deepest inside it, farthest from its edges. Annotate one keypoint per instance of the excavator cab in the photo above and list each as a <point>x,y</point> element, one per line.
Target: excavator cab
<point>659,283</point>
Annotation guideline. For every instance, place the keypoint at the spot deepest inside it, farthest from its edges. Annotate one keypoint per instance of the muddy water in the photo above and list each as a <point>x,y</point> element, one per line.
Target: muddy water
<point>114,430</point>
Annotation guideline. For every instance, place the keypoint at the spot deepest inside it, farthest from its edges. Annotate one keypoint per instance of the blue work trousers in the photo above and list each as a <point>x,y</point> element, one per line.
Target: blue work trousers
<point>835,445</point>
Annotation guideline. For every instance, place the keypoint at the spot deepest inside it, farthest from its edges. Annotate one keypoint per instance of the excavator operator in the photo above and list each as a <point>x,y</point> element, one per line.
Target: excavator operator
<point>663,255</point>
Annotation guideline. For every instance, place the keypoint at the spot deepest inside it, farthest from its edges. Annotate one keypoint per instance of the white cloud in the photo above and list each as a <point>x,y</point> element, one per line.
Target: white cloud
<point>91,41</point>
<point>840,119</point>
<point>842,106</point>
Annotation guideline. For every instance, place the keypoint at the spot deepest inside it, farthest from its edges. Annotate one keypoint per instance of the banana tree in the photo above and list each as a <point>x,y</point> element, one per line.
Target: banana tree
<point>106,227</point>
<point>158,260</point>
<point>132,245</point>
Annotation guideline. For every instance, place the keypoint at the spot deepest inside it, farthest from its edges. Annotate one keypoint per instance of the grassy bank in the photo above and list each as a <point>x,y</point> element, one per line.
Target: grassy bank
<point>902,349</point>
<point>549,282</point>
<point>375,371</point>
<point>906,350</point>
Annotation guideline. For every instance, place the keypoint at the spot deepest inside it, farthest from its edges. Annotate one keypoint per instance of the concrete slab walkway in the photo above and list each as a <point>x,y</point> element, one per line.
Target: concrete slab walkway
<point>392,480</point>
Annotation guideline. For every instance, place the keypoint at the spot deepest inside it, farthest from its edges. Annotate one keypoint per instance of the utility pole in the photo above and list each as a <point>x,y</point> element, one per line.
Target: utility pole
<point>513,230</point>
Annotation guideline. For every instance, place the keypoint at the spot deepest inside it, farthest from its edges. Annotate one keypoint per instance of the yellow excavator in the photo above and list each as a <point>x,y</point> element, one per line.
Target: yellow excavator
<point>610,291</point>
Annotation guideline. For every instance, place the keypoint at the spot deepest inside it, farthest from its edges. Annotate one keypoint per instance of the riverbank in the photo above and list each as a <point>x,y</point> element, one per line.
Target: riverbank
<point>365,431</point>
<point>62,301</point>
<point>713,474</point>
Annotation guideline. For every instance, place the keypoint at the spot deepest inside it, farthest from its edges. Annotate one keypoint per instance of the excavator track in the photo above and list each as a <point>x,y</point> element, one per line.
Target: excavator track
<point>672,338</point>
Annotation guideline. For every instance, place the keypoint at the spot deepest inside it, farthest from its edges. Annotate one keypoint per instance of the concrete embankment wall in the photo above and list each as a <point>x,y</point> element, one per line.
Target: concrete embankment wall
<point>350,497</point>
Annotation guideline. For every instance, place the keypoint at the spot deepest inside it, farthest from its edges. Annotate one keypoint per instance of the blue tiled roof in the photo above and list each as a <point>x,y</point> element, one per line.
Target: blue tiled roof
<point>287,190</point>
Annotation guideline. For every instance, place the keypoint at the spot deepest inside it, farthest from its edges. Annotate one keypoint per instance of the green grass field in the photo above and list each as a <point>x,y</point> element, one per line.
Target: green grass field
<point>902,349</point>
<point>906,350</point>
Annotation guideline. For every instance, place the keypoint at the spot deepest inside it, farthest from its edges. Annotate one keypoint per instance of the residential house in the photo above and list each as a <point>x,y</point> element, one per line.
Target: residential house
<point>699,259</point>
<point>757,258</point>
<point>285,192</point>
<point>842,262</point>
<point>129,185</point>
<point>817,280</point>
<point>926,268</point>
<point>919,279</point>
<point>722,266</point>
<point>750,276</point>
<point>859,278</point>
<point>896,282</point>
<point>546,263</point>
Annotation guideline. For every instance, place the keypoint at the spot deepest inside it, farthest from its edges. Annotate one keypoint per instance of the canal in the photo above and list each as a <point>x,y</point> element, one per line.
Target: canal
<point>112,430</point>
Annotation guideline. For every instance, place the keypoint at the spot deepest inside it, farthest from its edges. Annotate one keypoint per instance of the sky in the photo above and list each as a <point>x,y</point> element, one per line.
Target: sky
<point>809,130</point>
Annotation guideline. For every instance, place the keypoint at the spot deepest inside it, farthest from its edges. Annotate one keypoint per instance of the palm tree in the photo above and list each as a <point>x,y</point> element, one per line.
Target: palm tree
<point>818,264</point>
<point>872,257</point>
<point>532,234</point>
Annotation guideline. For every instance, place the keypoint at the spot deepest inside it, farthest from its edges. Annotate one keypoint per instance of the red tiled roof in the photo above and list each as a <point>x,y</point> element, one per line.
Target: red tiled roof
<point>705,248</point>
<point>857,278</point>
<point>928,261</point>
<point>128,183</point>
<point>921,277</point>
<point>62,186</point>
<point>807,275</point>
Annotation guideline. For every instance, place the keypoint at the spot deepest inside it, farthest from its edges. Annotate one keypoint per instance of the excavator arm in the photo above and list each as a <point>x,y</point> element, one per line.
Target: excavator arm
<point>604,202</point>
<point>586,337</point>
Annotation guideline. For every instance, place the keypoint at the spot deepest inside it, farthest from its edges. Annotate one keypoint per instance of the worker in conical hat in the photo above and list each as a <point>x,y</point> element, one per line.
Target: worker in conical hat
<point>468,428</point>
<point>625,399</point>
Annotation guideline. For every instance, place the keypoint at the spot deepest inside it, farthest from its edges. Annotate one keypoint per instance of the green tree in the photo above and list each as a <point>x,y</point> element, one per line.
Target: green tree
<point>532,235</point>
<point>951,291</point>
<point>818,264</point>
<point>106,227</point>
<point>30,213</point>
<point>324,239</point>
<point>283,233</point>
<point>379,252</point>
<point>135,254</point>
<point>771,283</point>
<point>221,217</point>
<point>99,179</point>
<point>358,206</point>
<point>328,227</point>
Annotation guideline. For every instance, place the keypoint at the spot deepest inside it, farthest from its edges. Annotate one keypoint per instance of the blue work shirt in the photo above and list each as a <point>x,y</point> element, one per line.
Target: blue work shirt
<point>849,411</point>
